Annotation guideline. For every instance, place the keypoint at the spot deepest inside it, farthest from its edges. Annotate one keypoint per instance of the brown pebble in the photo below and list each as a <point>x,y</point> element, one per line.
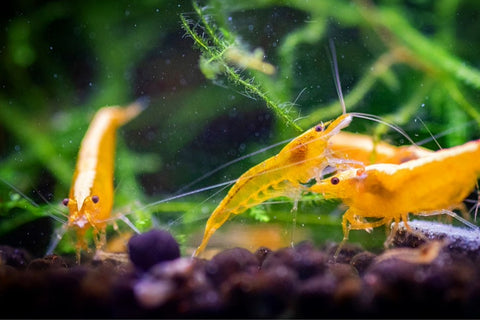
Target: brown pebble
<point>361,261</point>
<point>229,262</point>
<point>48,262</point>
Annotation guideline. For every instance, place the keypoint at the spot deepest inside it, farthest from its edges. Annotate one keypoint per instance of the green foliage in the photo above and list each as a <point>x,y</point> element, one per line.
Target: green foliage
<point>63,61</point>
<point>217,43</point>
<point>259,213</point>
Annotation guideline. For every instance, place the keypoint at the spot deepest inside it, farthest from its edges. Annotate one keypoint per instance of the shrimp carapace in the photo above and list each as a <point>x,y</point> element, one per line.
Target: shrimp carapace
<point>364,148</point>
<point>390,192</point>
<point>90,199</point>
<point>284,174</point>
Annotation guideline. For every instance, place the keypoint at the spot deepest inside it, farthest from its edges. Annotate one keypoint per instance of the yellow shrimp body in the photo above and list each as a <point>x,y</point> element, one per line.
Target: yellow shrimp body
<point>91,195</point>
<point>363,148</point>
<point>298,162</point>
<point>389,192</point>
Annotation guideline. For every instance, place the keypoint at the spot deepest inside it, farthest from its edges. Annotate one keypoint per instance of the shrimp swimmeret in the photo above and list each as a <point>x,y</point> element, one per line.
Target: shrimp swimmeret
<point>91,195</point>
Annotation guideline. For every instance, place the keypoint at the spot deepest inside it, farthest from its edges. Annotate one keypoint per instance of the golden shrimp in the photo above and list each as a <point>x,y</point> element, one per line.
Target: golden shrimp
<point>431,185</point>
<point>284,174</point>
<point>90,199</point>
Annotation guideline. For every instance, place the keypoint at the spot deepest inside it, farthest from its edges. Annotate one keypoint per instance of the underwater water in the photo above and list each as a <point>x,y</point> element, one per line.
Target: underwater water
<point>228,84</point>
<point>210,107</point>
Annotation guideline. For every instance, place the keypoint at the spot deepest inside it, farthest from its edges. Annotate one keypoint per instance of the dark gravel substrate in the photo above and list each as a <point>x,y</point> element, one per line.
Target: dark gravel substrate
<point>434,280</point>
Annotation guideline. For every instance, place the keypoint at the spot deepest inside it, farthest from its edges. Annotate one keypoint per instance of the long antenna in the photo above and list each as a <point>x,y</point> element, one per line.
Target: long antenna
<point>208,174</point>
<point>336,76</point>
<point>429,132</point>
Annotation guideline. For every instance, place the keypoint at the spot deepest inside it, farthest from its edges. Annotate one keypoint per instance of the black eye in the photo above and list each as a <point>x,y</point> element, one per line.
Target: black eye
<point>319,128</point>
<point>95,199</point>
<point>334,180</point>
<point>65,202</point>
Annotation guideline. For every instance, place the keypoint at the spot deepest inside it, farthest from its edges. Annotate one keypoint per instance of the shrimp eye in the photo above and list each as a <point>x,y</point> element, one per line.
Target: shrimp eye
<point>334,180</point>
<point>95,199</point>
<point>360,171</point>
<point>319,128</point>
<point>65,202</point>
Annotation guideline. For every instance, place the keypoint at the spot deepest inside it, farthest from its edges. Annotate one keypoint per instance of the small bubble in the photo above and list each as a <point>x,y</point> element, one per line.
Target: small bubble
<point>230,19</point>
<point>423,105</point>
<point>51,48</point>
<point>250,27</point>
<point>157,10</point>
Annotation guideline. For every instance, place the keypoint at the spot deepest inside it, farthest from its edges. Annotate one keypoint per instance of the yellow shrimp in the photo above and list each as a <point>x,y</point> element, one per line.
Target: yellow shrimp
<point>298,162</point>
<point>431,185</point>
<point>91,195</point>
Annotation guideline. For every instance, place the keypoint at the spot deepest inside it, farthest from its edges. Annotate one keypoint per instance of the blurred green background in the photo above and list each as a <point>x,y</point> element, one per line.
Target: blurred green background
<point>414,63</point>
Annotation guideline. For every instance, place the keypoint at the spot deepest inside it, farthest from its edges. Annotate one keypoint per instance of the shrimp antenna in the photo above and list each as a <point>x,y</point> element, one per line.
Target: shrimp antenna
<point>58,235</point>
<point>33,203</point>
<point>19,192</point>
<point>60,212</point>
<point>208,174</point>
<point>446,132</point>
<point>382,121</point>
<point>205,200</point>
<point>430,133</point>
<point>336,76</point>
<point>189,193</point>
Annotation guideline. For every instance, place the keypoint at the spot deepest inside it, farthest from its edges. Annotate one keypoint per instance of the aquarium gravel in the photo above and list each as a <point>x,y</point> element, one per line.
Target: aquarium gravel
<point>292,282</point>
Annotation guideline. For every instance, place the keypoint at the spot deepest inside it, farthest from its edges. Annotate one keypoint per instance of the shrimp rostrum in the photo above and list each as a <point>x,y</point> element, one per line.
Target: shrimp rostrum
<point>284,174</point>
<point>381,193</point>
